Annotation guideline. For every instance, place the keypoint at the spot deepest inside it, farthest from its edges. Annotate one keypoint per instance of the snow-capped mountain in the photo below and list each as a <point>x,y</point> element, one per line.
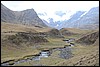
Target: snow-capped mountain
<point>63,23</point>
<point>90,18</point>
<point>52,23</point>
<point>80,19</point>
<point>70,23</point>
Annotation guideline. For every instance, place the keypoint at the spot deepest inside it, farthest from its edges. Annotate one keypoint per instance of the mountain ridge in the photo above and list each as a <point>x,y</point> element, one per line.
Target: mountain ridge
<point>26,17</point>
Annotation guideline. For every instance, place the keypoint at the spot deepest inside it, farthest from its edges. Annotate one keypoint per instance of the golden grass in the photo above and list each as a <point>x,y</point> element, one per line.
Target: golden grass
<point>53,43</point>
<point>78,31</point>
<point>10,52</point>
<point>21,28</point>
<point>15,52</point>
<point>79,52</point>
<point>6,27</point>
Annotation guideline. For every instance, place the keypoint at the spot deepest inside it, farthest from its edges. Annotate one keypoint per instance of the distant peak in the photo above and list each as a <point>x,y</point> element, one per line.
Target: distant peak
<point>29,10</point>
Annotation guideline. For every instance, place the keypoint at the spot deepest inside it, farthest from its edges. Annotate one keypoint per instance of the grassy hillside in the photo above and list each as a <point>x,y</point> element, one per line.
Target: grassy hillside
<point>84,56</point>
<point>89,38</point>
<point>5,27</point>
<point>15,44</point>
<point>75,30</point>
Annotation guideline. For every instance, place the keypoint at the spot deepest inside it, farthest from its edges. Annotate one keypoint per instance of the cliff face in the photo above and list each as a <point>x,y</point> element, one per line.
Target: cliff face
<point>26,17</point>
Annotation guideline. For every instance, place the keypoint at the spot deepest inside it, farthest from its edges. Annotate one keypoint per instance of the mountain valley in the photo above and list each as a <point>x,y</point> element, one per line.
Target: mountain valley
<point>73,42</point>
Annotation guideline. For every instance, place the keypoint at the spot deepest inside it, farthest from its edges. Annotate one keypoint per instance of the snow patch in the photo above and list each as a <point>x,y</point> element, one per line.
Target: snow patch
<point>83,15</point>
<point>57,25</point>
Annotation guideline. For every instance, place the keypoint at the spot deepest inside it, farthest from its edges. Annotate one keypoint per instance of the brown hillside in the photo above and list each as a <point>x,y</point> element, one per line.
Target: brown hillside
<point>89,38</point>
<point>73,31</point>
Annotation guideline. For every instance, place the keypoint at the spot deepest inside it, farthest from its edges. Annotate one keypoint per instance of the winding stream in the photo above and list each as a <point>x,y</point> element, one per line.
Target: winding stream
<point>43,54</point>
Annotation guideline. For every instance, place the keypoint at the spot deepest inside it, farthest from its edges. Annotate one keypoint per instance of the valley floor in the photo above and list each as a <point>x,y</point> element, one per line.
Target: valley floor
<point>83,55</point>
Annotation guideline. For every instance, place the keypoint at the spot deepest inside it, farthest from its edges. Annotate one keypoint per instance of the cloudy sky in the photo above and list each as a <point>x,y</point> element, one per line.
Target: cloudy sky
<point>51,8</point>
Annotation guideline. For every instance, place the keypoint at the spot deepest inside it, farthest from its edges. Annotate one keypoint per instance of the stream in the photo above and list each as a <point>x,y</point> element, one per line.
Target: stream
<point>65,53</point>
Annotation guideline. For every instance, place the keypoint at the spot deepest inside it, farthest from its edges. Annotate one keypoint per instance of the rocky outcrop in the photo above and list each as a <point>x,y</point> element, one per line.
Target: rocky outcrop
<point>66,53</point>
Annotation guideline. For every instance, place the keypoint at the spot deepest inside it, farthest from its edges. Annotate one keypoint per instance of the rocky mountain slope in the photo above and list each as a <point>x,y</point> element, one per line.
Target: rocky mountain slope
<point>89,20</point>
<point>26,17</point>
<point>53,24</point>
<point>70,22</point>
<point>64,23</point>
